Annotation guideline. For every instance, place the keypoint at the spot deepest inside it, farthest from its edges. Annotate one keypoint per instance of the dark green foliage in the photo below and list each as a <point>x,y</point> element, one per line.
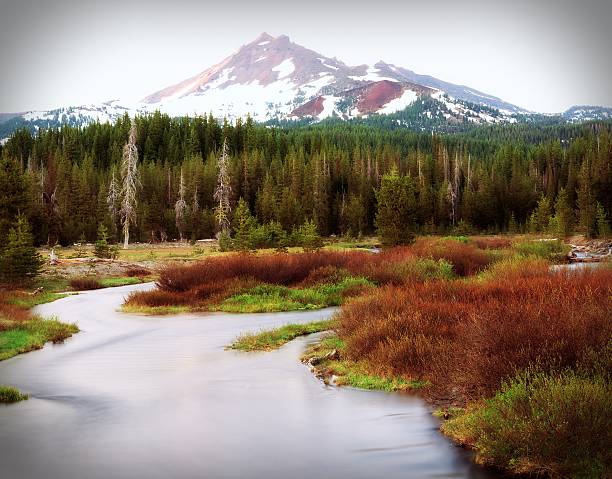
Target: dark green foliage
<point>102,249</point>
<point>396,215</point>
<point>603,227</point>
<point>19,260</point>
<point>485,179</point>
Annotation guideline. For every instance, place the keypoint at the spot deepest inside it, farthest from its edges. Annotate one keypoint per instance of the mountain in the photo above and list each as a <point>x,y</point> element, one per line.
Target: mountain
<point>274,79</point>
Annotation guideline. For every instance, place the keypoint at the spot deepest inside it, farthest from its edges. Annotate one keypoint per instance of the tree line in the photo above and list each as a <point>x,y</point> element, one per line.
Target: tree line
<point>344,179</point>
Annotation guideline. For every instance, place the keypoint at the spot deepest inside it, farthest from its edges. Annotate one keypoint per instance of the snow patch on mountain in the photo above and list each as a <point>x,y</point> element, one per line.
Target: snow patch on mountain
<point>399,104</point>
<point>285,68</point>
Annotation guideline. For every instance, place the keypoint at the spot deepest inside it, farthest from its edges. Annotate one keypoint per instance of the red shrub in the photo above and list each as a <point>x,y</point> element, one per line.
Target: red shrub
<point>467,337</point>
<point>137,271</point>
<point>466,258</point>
<point>82,284</point>
<point>491,243</point>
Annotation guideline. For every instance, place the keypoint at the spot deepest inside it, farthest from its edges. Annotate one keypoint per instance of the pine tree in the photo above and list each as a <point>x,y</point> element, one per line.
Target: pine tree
<point>243,225</point>
<point>564,216</point>
<point>586,200</point>
<point>396,214</point>
<point>603,226</point>
<point>20,262</point>
<point>102,249</point>
<point>543,214</point>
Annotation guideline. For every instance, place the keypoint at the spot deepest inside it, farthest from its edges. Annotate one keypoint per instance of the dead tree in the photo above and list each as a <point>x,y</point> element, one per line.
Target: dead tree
<point>223,192</point>
<point>131,182</point>
<point>180,207</point>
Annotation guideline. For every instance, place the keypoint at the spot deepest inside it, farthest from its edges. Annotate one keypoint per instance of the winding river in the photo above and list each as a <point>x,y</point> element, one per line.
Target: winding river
<point>159,397</point>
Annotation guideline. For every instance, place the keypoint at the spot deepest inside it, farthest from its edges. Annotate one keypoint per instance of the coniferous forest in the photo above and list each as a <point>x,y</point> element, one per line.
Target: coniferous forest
<point>514,178</point>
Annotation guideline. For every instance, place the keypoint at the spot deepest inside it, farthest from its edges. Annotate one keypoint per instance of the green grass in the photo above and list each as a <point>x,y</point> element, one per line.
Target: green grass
<point>553,250</point>
<point>275,338</point>
<point>33,334</point>
<point>557,425</point>
<point>10,395</point>
<point>272,298</point>
<point>355,374</point>
<point>156,310</point>
<point>30,301</point>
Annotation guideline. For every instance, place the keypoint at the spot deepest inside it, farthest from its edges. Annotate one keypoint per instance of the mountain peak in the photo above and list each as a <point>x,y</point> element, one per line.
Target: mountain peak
<point>273,76</point>
<point>263,37</point>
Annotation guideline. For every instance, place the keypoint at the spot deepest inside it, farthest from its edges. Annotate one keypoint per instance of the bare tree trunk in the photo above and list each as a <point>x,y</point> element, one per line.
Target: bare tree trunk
<point>223,191</point>
<point>131,182</point>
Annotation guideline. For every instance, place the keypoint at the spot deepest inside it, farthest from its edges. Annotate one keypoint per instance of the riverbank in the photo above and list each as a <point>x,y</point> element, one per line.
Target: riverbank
<point>474,348</point>
<point>105,386</point>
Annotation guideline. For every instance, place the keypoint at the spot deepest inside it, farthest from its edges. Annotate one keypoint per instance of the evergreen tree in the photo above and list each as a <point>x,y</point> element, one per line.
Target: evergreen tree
<point>586,201</point>
<point>20,262</point>
<point>102,248</point>
<point>564,216</point>
<point>603,226</point>
<point>396,214</point>
<point>243,226</point>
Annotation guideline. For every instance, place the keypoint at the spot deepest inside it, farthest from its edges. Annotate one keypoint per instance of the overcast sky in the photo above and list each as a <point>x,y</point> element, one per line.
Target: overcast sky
<point>541,55</point>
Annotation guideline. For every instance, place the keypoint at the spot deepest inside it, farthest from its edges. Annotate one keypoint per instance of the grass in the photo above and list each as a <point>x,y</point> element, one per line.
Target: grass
<point>328,361</point>
<point>28,301</point>
<point>156,310</point>
<point>275,338</point>
<point>22,337</point>
<point>553,425</point>
<point>553,250</point>
<point>10,395</point>
<point>269,298</point>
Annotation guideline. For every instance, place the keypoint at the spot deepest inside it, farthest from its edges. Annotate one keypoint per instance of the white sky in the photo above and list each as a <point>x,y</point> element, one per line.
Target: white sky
<point>541,55</point>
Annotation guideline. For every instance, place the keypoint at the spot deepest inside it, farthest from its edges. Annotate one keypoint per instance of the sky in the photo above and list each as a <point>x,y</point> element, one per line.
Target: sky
<point>542,55</point>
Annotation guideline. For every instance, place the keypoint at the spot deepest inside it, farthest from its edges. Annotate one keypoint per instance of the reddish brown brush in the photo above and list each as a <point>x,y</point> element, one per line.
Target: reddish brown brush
<point>137,272</point>
<point>491,243</point>
<point>83,284</point>
<point>11,313</point>
<point>280,268</point>
<point>468,337</point>
<point>467,259</point>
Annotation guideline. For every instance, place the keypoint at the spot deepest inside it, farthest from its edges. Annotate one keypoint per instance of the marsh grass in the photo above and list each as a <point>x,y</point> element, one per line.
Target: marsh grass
<point>556,425</point>
<point>275,338</point>
<point>9,395</point>
<point>269,298</point>
<point>22,337</point>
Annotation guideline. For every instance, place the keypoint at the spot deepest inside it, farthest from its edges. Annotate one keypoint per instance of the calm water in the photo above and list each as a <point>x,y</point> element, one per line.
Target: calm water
<point>142,397</point>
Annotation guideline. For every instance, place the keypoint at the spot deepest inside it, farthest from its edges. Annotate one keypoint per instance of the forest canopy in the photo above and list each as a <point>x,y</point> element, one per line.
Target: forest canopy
<point>489,179</point>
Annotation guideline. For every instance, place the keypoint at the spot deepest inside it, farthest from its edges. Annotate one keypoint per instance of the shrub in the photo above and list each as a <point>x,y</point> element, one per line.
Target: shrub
<point>466,338</point>
<point>83,284</point>
<point>137,272</point>
<point>466,258</point>
<point>491,243</point>
<point>556,425</point>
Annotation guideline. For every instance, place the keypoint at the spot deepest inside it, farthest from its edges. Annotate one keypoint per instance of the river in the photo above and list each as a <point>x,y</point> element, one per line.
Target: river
<point>159,397</point>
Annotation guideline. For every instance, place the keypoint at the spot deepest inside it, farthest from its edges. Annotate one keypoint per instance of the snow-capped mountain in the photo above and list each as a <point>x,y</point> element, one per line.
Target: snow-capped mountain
<point>273,78</point>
